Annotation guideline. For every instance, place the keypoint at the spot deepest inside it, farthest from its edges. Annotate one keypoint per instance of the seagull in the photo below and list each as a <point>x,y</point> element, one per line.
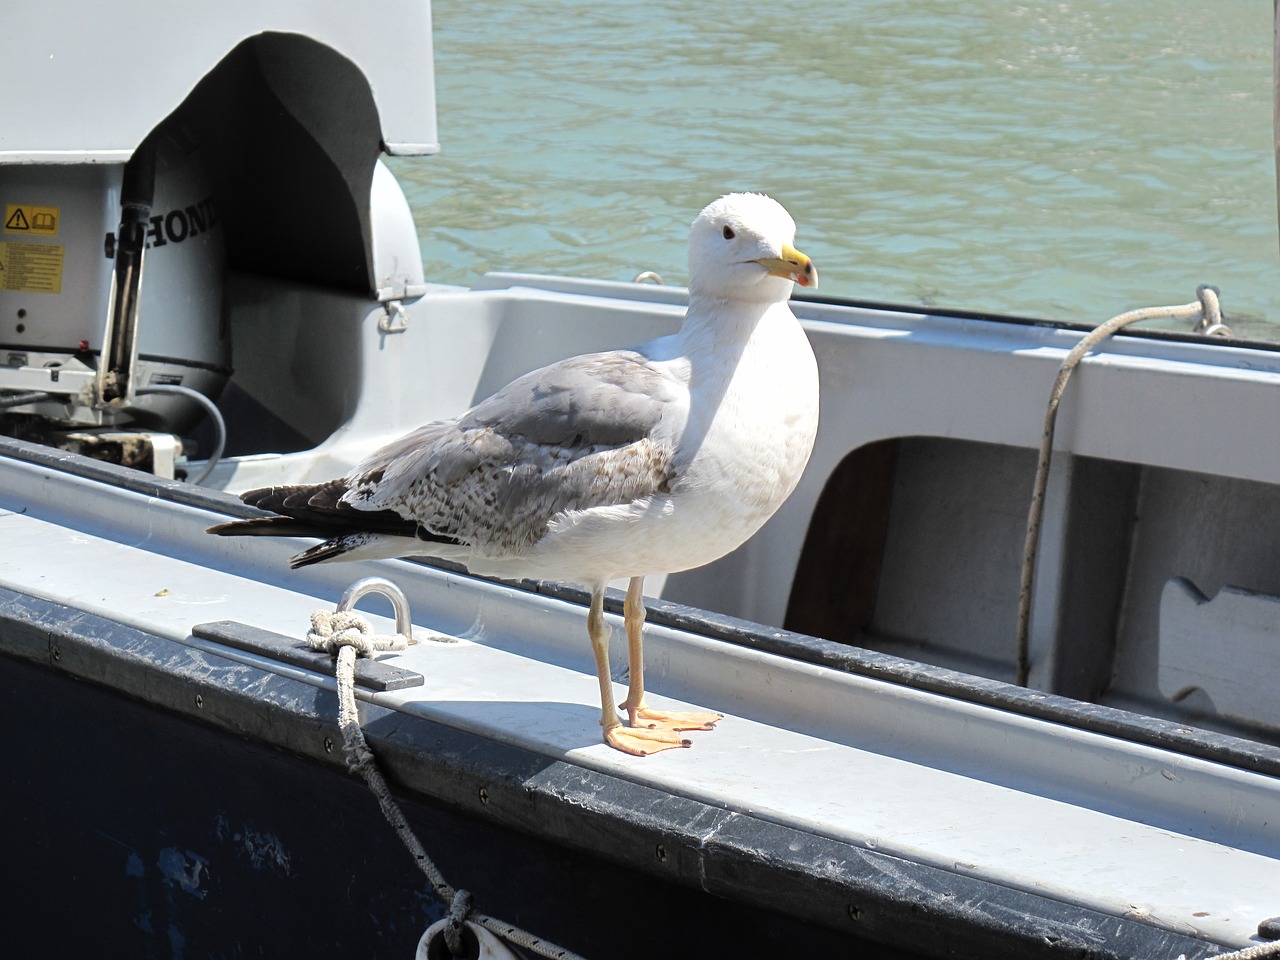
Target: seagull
<point>621,464</point>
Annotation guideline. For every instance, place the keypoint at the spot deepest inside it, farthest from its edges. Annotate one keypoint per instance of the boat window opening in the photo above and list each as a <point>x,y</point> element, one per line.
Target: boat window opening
<point>914,550</point>
<point>834,590</point>
<point>918,557</point>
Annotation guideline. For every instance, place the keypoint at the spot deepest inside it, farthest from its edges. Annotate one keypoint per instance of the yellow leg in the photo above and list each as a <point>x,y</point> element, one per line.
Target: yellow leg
<point>633,615</point>
<point>638,712</point>
<point>641,742</point>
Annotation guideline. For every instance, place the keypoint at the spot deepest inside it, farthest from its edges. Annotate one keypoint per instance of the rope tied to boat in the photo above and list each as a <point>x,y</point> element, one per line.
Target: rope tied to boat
<point>345,634</point>
<point>332,630</point>
<point>1209,312</point>
<point>459,910</point>
<point>1257,951</point>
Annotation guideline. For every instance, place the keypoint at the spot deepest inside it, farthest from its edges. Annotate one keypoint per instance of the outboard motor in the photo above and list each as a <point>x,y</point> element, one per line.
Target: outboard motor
<point>230,191</point>
<point>92,345</point>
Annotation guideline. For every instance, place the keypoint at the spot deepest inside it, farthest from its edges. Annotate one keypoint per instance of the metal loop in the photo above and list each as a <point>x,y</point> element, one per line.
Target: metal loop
<point>404,623</point>
<point>395,319</point>
<point>648,276</point>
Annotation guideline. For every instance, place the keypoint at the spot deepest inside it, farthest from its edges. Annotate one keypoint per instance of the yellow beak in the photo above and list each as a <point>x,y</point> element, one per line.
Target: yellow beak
<point>792,265</point>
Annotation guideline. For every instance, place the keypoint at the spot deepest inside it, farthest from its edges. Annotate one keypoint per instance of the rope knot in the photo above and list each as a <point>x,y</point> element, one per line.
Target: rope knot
<point>332,630</point>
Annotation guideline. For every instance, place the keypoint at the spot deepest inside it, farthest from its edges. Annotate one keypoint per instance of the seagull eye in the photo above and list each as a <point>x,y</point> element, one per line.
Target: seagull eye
<point>728,232</point>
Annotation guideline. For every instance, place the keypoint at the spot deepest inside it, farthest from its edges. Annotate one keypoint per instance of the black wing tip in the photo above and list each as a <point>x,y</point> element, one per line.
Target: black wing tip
<point>258,526</point>
<point>269,527</point>
<point>332,549</point>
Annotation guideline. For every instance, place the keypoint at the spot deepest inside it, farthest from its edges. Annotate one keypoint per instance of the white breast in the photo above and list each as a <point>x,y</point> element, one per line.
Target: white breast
<point>746,441</point>
<point>758,438</point>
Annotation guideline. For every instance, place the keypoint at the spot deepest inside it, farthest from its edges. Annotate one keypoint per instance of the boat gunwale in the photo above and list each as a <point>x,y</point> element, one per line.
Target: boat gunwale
<point>1229,750</point>
<point>648,292</point>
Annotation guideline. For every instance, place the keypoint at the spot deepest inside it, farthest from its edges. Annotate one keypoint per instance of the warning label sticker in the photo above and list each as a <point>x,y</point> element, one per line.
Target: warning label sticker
<point>31,220</point>
<point>31,267</point>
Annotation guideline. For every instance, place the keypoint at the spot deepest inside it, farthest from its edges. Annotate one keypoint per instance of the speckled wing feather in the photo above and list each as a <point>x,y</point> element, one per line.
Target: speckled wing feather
<point>571,436</point>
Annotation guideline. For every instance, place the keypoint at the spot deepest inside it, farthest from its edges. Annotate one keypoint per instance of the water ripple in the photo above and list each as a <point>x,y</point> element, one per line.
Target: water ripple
<point>1068,160</point>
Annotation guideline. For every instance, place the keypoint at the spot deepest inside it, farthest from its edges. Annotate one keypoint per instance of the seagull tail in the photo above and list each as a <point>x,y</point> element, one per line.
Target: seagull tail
<point>361,545</point>
<point>318,511</point>
<point>311,510</point>
<point>331,549</point>
<point>356,545</point>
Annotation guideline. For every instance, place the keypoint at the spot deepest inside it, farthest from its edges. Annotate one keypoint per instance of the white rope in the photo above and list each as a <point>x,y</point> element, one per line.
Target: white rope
<point>345,634</point>
<point>333,630</point>
<point>1255,952</point>
<point>1206,307</point>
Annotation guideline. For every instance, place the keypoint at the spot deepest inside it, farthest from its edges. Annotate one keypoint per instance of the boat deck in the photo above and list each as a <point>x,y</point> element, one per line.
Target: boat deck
<point>900,779</point>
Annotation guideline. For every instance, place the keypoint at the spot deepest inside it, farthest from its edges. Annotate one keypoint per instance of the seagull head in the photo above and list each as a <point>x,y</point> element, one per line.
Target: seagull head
<point>740,248</point>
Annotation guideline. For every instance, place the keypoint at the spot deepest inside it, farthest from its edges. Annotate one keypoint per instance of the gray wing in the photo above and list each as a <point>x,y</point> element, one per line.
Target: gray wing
<point>570,436</point>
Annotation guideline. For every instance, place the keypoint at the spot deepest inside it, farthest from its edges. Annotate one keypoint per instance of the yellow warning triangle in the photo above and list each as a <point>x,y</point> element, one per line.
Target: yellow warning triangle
<point>18,221</point>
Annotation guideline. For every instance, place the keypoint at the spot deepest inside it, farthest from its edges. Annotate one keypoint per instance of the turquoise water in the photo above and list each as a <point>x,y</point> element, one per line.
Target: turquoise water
<point>1065,160</point>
